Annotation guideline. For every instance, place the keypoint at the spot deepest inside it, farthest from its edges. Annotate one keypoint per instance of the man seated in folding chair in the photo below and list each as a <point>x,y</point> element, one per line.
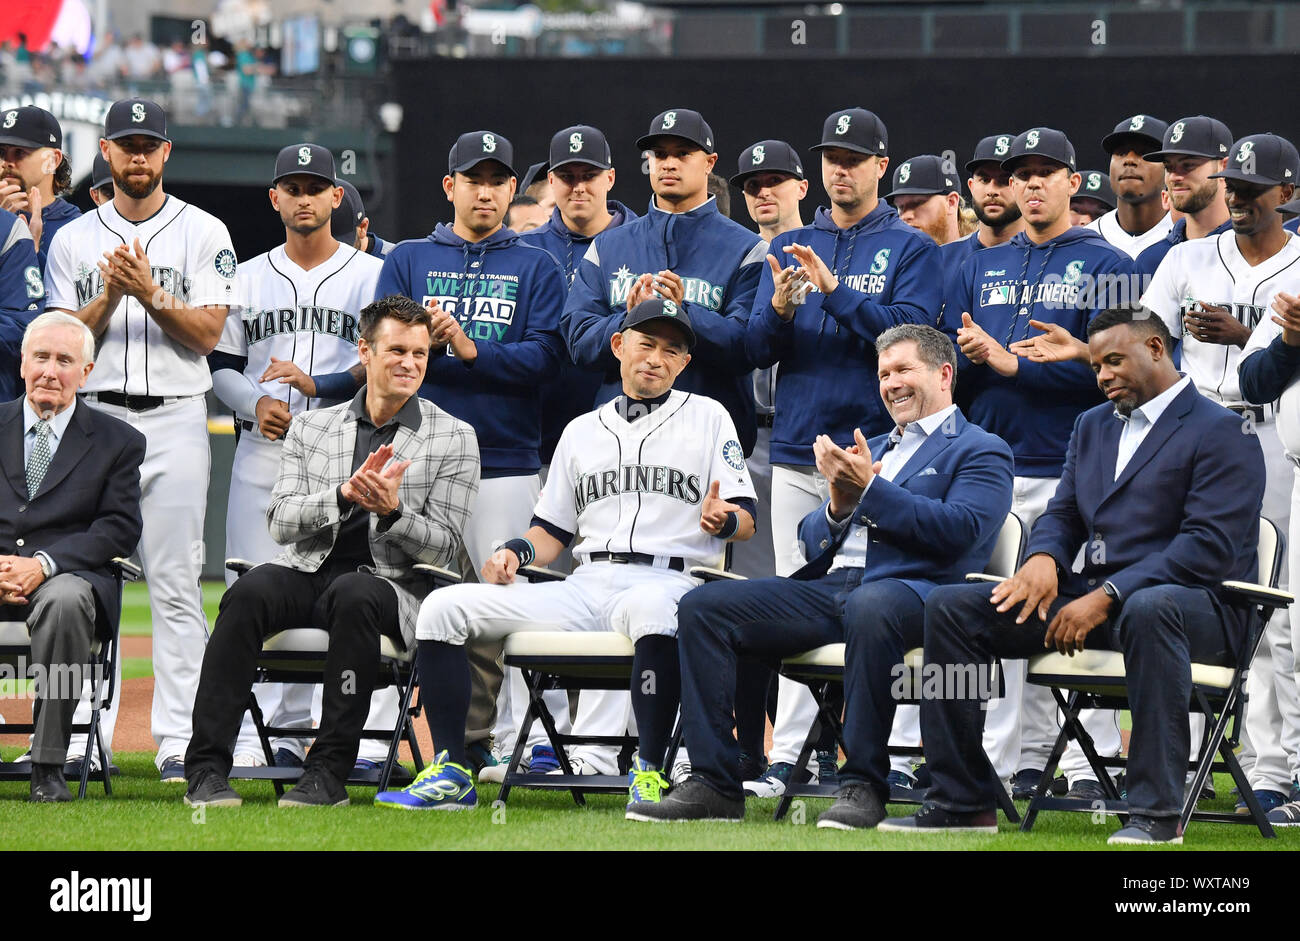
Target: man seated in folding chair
<point>650,484</point>
<point>69,504</point>
<point>907,511</point>
<point>365,491</point>
<point>1162,488</point>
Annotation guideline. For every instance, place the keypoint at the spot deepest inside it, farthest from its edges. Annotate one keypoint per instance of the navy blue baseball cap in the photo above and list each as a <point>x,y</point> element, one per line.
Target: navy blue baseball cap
<point>348,214</point>
<point>534,173</point>
<point>1197,136</point>
<point>923,175</point>
<point>767,156</point>
<point>473,147</point>
<point>679,122</point>
<point>1265,159</point>
<point>135,117</point>
<point>305,159</point>
<point>581,143</point>
<point>1146,132</point>
<point>30,126</point>
<point>855,129</point>
<point>99,172</point>
<point>1041,142</point>
<point>991,149</point>
<point>1290,209</point>
<point>1096,185</point>
<point>661,309</point>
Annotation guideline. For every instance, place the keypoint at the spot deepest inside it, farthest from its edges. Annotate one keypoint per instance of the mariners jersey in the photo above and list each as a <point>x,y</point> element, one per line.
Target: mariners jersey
<point>637,486</point>
<point>1212,270</point>
<point>1151,257</point>
<point>309,317</point>
<point>1132,245</point>
<point>192,259</point>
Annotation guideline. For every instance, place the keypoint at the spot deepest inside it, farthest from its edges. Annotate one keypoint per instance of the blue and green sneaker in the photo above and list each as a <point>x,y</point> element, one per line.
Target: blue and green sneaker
<point>443,785</point>
<point>645,785</point>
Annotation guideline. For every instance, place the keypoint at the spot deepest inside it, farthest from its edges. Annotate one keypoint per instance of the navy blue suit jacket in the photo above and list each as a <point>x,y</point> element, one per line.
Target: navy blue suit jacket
<point>1184,512</point>
<point>937,520</point>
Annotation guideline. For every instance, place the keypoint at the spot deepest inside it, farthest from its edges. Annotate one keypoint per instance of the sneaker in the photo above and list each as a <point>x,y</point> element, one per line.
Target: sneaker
<point>543,760</point>
<point>752,767</point>
<point>933,819</point>
<point>248,759</point>
<point>1024,783</point>
<point>210,789</point>
<point>316,788</point>
<point>1288,815</point>
<point>645,786</point>
<point>1147,830</point>
<point>496,773</point>
<point>172,770</point>
<point>443,785</point>
<point>287,758</point>
<point>774,782</point>
<point>828,768</point>
<point>902,787</point>
<point>1088,789</point>
<point>1295,791</point>
<point>857,807</point>
<point>1269,800</point>
<point>581,766</point>
<point>72,766</point>
<point>681,768</point>
<point>369,770</point>
<point>479,755</point>
<point>694,800</point>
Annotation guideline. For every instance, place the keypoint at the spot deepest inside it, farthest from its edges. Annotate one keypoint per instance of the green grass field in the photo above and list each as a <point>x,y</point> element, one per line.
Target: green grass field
<point>143,814</point>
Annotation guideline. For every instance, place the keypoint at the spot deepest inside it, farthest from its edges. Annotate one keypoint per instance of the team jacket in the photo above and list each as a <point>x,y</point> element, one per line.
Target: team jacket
<point>54,217</point>
<point>717,259</point>
<point>507,296</point>
<point>1003,288</point>
<point>572,392</point>
<point>22,297</point>
<point>1150,259</point>
<point>889,274</point>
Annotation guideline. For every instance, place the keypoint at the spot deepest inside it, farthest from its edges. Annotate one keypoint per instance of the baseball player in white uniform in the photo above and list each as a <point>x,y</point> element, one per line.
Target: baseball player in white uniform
<point>288,346</point>
<point>649,484</point>
<point>1212,293</point>
<point>153,277</point>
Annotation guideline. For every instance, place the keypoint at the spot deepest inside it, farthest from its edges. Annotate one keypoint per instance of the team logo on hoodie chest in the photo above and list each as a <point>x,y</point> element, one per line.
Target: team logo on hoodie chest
<point>695,290</point>
<point>484,304</point>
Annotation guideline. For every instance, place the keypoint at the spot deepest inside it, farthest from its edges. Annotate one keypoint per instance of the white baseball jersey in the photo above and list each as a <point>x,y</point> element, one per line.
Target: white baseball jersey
<point>192,259</point>
<point>309,317</point>
<point>637,486</point>
<point>1132,245</point>
<point>1212,270</point>
<point>1288,406</point>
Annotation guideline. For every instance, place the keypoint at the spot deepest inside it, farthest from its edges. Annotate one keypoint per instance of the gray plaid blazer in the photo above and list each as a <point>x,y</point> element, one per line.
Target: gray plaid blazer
<point>437,493</point>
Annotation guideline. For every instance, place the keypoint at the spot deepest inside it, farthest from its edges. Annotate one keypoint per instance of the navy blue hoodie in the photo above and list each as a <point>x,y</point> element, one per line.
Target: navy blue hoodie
<point>1003,288</point>
<point>827,382</point>
<point>573,390</point>
<point>717,259</point>
<point>54,217</point>
<point>507,297</point>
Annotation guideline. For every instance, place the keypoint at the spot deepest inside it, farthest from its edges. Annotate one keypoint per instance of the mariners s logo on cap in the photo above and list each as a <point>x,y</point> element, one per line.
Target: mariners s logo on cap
<point>304,156</point>
<point>905,172</point>
<point>11,119</point>
<point>1031,140</point>
<point>670,119</point>
<point>842,125</point>
<point>1246,151</point>
<point>575,142</point>
<point>670,308</point>
<point>1176,132</point>
<point>1002,146</point>
<point>1094,182</point>
<point>137,113</point>
<point>1137,122</point>
<point>759,155</point>
<point>489,144</point>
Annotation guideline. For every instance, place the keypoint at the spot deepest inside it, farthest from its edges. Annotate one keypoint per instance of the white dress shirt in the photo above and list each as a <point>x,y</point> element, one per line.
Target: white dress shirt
<point>1140,421</point>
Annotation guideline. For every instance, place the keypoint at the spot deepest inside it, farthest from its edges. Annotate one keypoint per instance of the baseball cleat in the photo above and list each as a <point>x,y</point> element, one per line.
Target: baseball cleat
<point>1288,815</point>
<point>443,785</point>
<point>773,783</point>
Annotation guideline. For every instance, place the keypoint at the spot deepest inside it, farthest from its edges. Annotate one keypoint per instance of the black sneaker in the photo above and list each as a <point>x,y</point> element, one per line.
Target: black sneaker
<point>933,819</point>
<point>828,767</point>
<point>693,800</point>
<point>1142,831</point>
<point>752,767</point>
<point>1088,789</point>
<point>210,789</point>
<point>857,807</point>
<point>316,788</point>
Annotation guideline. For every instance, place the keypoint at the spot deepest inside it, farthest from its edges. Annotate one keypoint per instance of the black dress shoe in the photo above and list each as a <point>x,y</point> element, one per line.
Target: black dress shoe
<point>48,786</point>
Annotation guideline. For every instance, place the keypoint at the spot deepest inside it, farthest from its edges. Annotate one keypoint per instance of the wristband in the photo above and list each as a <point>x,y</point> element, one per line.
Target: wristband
<point>731,526</point>
<point>523,549</point>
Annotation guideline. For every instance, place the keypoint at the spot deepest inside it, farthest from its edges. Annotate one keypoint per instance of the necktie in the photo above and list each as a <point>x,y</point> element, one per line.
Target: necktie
<point>39,462</point>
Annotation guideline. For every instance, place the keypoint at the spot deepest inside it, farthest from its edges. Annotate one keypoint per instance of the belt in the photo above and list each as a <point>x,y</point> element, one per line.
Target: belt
<point>676,563</point>
<point>249,426</point>
<point>136,403</point>
<point>765,419</point>
<point>1258,413</point>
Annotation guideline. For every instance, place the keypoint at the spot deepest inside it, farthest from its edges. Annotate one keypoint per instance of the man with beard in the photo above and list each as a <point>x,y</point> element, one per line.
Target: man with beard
<point>991,198</point>
<point>35,174</point>
<point>925,197</point>
<point>1140,219</point>
<point>153,277</point>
